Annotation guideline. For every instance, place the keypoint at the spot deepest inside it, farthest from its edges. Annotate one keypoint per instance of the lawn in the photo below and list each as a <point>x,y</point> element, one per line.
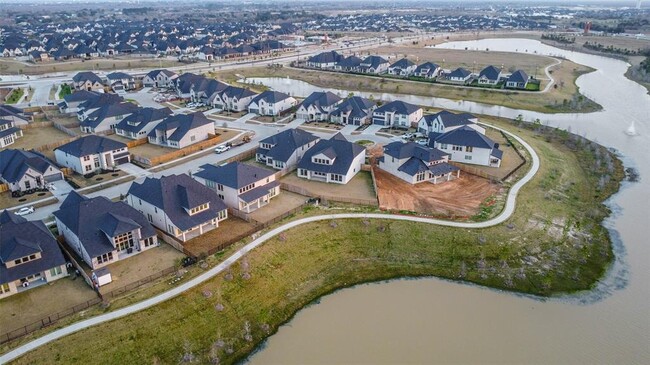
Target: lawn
<point>15,96</point>
<point>36,137</point>
<point>65,90</point>
<point>554,243</point>
<point>359,187</point>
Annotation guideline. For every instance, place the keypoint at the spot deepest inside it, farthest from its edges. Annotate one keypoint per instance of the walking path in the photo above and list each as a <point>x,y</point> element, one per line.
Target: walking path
<point>507,212</point>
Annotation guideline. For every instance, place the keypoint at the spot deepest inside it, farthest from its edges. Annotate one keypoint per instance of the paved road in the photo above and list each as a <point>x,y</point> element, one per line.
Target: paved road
<point>503,216</point>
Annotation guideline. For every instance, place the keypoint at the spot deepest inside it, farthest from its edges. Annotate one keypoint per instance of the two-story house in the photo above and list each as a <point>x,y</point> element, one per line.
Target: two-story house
<point>374,65</point>
<point>427,70</point>
<point>92,153</point>
<point>334,160</point>
<point>120,82</point>
<point>16,115</point>
<point>271,103</point>
<point>233,98</point>
<point>349,64</point>
<point>467,145</point>
<point>106,117</point>
<point>397,114</point>
<point>71,102</point>
<point>139,124</point>
<point>318,106</point>
<point>102,231</point>
<point>181,130</point>
<point>283,150</point>
<point>26,170</point>
<point>403,67</point>
<point>415,164</point>
<point>29,255</point>
<point>159,78</point>
<point>9,133</point>
<point>241,186</point>
<point>87,80</point>
<point>444,121</point>
<point>88,107</point>
<point>354,110</point>
<point>178,205</point>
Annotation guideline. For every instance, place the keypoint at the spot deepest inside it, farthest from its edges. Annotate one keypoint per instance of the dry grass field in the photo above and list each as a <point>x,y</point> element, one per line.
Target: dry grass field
<point>13,67</point>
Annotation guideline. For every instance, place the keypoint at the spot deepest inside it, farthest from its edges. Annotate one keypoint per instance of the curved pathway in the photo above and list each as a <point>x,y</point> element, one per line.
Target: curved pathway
<point>507,212</point>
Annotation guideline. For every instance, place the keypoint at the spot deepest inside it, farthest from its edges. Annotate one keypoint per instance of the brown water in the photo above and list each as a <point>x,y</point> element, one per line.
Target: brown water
<point>436,321</point>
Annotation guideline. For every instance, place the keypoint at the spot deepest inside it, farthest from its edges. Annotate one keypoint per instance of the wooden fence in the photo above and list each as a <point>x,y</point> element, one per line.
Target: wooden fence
<point>51,146</point>
<point>199,146</point>
<point>66,128</point>
<point>36,125</point>
<point>4,187</point>
<point>523,159</point>
<point>326,198</point>
<point>136,142</point>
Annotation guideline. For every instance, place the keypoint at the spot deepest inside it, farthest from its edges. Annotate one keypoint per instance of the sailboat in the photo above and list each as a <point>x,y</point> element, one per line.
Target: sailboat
<point>631,130</point>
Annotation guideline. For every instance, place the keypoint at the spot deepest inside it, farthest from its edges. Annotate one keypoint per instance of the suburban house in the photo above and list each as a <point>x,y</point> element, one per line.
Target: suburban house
<point>178,205</point>
<point>92,153</point>
<point>466,144</point>
<point>159,78</point>
<point>459,75</point>
<point>373,65</point>
<point>106,117</point>
<point>403,67</point>
<point>181,130</point>
<point>87,80</point>
<point>9,133</point>
<point>91,105</point>
<point>349,64</point>
<point>285,149</point>
<point>16,115</point>
<point>120,82</point>
<point>517,80</point>
<point>324,60</point>
<point>397,114</point>
<point>428,70</point>
<point>25,170</point>
<point>271,103</point>
<point>489,76</point>
<point>205,90</point>
<point>184,83</point>
<point>444,121</point>
<point>354,110</point>
<point>415,164</point>
<point>139,124</point>
<point>334,160</point>
<point>318,106</point>
<point>29,255</point>
<point>71,102</point>
<point>102,231</point>
<point>241,186</point>
<point>233,98</point>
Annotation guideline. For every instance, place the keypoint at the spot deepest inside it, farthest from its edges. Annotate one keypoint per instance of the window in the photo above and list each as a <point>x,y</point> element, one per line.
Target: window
<point>220,187</point>
<point>105,258</point>
<point>140,201</point>
<point>200,208</point>
<point>419,177</point>
<point>27,184</point>
<point>55,271</point>
<point>468,157</point>
<point>443,146</point>
<point>124,241</point>
<point>223,214</point>
<point>335,177</point>
<point>457,148</point>
<point>148,242</point>
<point>88,167</point>
<point>4,288</point>
<point>221,196</point>
<point>86,158</point>
<point>22,260</point>
<point>149,218</point>
<point>246,188</point>
<point>302,172</point>
<point>469,149</point>
<point>192,138</point>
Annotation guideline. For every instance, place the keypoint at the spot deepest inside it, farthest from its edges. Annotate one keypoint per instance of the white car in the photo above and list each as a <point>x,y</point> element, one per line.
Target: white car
<point>221,148</point>
<point>25,211</point>
<point>422,142</point>
<point>50,186</point>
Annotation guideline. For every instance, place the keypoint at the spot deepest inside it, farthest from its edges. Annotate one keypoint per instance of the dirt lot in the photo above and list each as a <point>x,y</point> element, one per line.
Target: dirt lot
<point>27,307</point>
<point>279,205</point>
<point>16,67</point>
<point>227,230</point>
<point>142,265</point>
<point>360,187</point>
<point>36,137</point>
<point>7,201</point>
<point>459,197</point>
<point>510,158</point>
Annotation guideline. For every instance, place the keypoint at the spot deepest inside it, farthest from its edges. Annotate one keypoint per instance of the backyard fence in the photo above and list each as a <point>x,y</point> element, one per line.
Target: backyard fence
<point>199,146</point>
<point>66,128</point>
<point>327,198</point>
<point>523,159</point>
<point>36,125</point>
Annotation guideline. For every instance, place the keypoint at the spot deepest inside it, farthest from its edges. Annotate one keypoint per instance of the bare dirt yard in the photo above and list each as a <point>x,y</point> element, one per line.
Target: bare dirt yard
<point>18,67</point>
<point>142,265</point>
<point>228,230</point>
<point>284,202</point>
<point>37,137</point>
<point>460,197</point>
<point>8,201</point>
<point>510,161</point>
<point>360,187</point>
<point>32,305</point>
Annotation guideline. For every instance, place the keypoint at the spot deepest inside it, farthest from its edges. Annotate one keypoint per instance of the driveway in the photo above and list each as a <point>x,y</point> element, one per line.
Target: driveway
<point>62,189</point>
<point>372,129</point>
<point>143,97</point>
<point>133,170</point>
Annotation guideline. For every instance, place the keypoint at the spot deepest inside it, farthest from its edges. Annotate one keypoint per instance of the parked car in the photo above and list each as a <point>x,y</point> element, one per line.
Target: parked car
<point>25,211</point>
<point>407,135</point>
<point>222,148</point>
<point>422,142</point>
<point>50,186</point>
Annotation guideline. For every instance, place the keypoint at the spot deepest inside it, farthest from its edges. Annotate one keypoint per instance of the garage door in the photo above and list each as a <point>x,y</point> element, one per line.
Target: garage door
<point>53,177</point>
<point>119,161</point>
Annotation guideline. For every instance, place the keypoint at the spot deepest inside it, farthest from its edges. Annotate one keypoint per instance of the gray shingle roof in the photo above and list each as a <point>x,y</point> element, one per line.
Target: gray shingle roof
<point>90,145</point>
<point>171,193</point>
<point>320,99</point>
<point>234,174</point>
<point>337,146</point>
<point>401,150</point>
<point>490,72</point>
<point>464,136</point>
<point>15,163</point>
<point>356,105</point>
<point>86,76</point>
<point>19,238</point>
<point>108,111</point>
<point>92,219</point>
<point>270,97</point>
<point>459,73</point>
<point>449,119</point>
<point>183,123</point>
<point>398,107</point>
<point>142,118</point>
<point>518,76</point>
<point>286,143</point>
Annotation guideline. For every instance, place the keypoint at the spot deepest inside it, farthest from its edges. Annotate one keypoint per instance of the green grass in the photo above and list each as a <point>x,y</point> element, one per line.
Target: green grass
<point>65,90</point>
<point>15,96</point>
<point>294,269</point>
<point>365,142</point>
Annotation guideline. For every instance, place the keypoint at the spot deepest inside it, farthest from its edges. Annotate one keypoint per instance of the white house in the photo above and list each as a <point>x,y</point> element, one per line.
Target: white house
<point>182,130</point>
<point>87,80</point>
<point>318,106</point>
<point>159,78</point>
<point>102,231</point>
<point>489,76</point>
<point>354,110</point>
<point>106,117</point>
<point>241,186</point>
<point>374,65</point>
<point>334,160</point>
<point>444,121</point>
<point>428,70</point>
<point>29,256</point>
<point>92,153</point>
<point>233,98</point>
<point>459,75</point>
<point>9,133</point>
<point>403,67</point>
<point>416,164</point>
<point>26,170</point>
<point>517,80</point>
<point>120,82</point>
<point>283,150</point>
<point>324,60</point>
<point>178,205</point>
<point>139,124</point>
<point>467,145</point>
<point>397,114</point>
<point>271,103</point>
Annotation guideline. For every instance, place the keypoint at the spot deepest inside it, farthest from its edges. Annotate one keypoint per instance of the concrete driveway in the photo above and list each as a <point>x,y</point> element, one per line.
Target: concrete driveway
<point>133,170</point>
<point>62,189</point>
